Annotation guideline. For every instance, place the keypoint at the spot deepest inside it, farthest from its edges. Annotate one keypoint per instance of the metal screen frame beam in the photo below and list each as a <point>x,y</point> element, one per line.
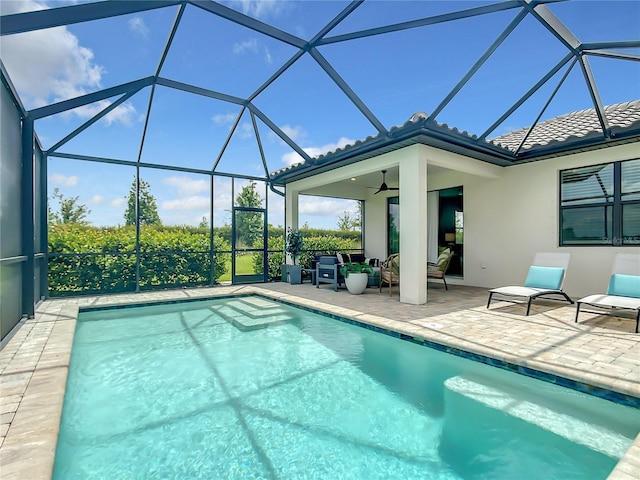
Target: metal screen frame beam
<point>203,92</point>
<point>614,55</point>
<point>93,120</point>
<point>61,16</point>
<point>476,66</point>
<point>267,121</point>
<point>89,98</point>
<point>422,22</point>
<point>249,22</point>
<point>527,95</point>
<point>27,229</point>
<point>347,90</point>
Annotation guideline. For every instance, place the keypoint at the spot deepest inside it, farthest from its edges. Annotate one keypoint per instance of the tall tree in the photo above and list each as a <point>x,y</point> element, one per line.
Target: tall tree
<point>71,210</point>
<point>347,222</point>
<point>148,209</point>
<point>249,225</point>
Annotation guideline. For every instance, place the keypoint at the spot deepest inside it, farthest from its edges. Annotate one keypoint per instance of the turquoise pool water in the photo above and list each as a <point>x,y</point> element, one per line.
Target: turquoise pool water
<point>203,390</point>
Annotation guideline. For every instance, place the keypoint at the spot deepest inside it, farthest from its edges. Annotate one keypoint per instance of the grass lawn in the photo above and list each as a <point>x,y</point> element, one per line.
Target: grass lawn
<point>244,266</point>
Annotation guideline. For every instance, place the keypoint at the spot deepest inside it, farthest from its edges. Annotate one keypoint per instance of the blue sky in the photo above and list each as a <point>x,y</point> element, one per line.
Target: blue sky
<point>395,74</point>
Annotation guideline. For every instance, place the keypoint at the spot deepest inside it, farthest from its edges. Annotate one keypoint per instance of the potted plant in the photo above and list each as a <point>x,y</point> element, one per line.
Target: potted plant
<point>293,246</point>
<point>356,276</point>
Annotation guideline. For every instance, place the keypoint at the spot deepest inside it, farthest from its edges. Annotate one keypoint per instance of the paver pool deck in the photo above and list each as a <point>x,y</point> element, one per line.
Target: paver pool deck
<point>600,351</point>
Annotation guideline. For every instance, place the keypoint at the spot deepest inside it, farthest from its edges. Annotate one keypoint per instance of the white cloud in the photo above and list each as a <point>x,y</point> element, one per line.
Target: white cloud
<point>117,202</point>
<point>294,133</point>
<point>57,68</point>
<point>125,114</point>
<point>9,8</point>
<point>249,46</point>
<point>222,189</point>
<point>137,25</point>
<point>96,199</point>
<point>246,130</point>
<point>186,186</point>
<point>50,65</point>
<point>59,179</point>
<point>252,47</point>
<point>260,8</point>
<point>224,118</point>
<point>292,158</point>
<point>318,206</point>
<point>193,202</point>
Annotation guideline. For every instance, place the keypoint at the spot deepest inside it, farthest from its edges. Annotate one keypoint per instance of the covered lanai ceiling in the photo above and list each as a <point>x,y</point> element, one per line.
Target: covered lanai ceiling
<point>252,87</point>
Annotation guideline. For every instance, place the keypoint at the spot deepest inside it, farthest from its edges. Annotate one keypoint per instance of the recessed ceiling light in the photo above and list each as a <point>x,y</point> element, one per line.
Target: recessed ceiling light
<point>353,179</point>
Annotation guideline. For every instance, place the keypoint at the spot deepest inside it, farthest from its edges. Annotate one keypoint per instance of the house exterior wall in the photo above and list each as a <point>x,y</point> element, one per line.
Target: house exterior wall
<point>510,213</point>
<point>438,161</point>
<point>510,218</point>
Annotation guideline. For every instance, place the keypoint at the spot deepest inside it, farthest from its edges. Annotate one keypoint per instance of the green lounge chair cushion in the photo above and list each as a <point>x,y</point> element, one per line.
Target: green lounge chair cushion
<point>549,278</point>
<point>624,285</point>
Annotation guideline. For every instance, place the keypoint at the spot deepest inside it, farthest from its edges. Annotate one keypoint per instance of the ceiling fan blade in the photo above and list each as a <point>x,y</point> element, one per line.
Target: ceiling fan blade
<point>384,187</point>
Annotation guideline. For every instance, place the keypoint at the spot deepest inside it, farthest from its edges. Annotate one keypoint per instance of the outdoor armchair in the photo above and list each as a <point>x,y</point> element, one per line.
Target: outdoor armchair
<point>623,292</point>
<point>390,271</point>
<point>439,268</point>
<point>546,277</point>
<point>328,271</point>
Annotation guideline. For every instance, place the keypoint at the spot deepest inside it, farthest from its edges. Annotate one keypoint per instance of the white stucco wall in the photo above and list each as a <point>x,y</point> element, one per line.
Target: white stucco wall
<point>509,214</point>
<point>510,218</point>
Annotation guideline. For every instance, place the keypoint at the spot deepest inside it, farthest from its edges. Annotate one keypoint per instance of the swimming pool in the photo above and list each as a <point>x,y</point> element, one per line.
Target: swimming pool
<point>203,390</point>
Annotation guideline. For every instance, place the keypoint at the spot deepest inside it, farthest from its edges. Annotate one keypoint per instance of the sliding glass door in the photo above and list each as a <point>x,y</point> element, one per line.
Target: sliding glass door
<point>445,226</point>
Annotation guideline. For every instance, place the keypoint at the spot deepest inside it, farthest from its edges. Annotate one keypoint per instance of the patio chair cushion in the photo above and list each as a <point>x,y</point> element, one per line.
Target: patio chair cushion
<point>395,265</point>
<point>441,263</point>
<point>374,262</point>
<point>549,278</point>
<point>624,285</point>
<point>343,258</point>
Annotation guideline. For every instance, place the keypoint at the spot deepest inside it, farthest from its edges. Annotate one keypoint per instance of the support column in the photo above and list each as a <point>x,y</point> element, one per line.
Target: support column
<point>290,212</point>
<point>413,227</point>
<point>26,214</point>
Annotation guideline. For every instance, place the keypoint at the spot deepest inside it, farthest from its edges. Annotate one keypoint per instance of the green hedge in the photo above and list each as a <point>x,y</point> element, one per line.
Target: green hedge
<point>108,261</point>
<point>313,245</point>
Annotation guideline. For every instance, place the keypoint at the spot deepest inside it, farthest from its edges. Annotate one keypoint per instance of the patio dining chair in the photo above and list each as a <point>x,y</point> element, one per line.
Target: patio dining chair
<point>546,277</point>
<point>390,271</point>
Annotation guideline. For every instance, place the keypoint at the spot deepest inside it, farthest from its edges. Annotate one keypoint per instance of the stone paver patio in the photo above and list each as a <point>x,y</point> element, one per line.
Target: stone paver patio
<point>599,351</point>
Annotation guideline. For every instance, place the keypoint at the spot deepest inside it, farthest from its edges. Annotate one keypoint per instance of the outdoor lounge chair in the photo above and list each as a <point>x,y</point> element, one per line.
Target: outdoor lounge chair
<point>439,268</point>
<point>390,271</point>
<point>546,277</point>
<point>624,288</point>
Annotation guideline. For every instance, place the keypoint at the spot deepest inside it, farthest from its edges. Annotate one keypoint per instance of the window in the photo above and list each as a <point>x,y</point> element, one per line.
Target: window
<point>393,225</point>
<point>600,204</point>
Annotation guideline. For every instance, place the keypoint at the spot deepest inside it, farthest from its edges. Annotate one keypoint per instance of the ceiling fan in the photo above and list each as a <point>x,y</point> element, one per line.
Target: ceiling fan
<point>384,187</point>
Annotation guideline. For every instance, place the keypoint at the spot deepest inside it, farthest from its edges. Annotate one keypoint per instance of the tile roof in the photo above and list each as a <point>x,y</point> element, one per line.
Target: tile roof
<point>574,125</point>
<point>558,131</point>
